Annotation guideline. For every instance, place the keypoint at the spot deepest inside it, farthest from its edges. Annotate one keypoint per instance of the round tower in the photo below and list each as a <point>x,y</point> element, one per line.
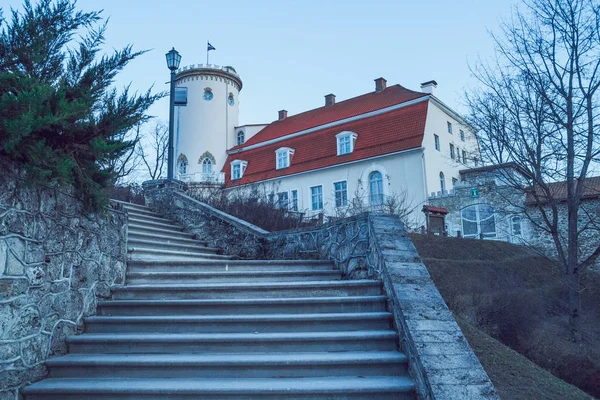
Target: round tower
<point>204,127</point>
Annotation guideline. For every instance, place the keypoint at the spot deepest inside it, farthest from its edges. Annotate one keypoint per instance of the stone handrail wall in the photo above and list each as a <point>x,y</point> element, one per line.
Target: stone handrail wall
<point>231,235</point>
<point>55,262</point>
<point>441,361</point>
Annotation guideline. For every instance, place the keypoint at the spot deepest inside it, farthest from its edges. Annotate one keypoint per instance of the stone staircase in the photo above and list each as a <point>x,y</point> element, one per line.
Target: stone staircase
<point>193,324</point>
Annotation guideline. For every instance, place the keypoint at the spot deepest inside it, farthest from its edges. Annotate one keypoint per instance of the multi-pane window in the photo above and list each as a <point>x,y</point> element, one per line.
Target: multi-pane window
<point>182,165</point>
<point>478,221</point>
<point>340,190</point>
<point>240,137</point>
<point>345,142</point>
<point>344,145</point>
<point>284,156</point>
<point>451,151</point>
<point>376,188</point>
<point>462,135</point>
<point>436,138</point>
<point>207,166</point>
<point>449,127</point>
<point>236,171</point>
<point>316,196</point>
<point>282,199</point>
<point>294,202</point>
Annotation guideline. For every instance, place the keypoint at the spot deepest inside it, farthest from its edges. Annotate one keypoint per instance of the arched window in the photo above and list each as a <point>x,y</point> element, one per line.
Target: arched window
<point>207,166</point>
<point>376,188</point>
<point>478,221</point>
<point>240,137</point>
<point>182,165</point>
<point>442,182</point>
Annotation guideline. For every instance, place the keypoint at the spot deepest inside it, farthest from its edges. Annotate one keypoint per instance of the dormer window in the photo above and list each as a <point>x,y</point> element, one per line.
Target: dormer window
<point>240,138</point>
<point>238,167</point>
<point>345,142</point>
<point>284,157</point>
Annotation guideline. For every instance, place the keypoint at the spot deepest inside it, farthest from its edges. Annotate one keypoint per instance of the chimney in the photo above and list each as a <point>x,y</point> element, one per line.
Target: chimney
<point>429,87</point>
<point>282,114</point>
<point>380,84</point>
<point>329,99</point>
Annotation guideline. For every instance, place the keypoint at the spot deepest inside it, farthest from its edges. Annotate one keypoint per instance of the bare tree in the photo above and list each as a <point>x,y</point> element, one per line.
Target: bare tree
<point>538,107</point>
<point>153,150</point>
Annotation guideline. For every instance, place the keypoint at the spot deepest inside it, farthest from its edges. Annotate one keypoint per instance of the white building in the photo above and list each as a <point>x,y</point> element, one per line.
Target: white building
<point>387,143</point>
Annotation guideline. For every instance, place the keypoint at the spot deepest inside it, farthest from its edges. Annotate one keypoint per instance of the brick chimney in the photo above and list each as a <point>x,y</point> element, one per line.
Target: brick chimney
<point>282,114</point>
<point>380,84</point>
<point>429,87</point>
<point>329,99</point>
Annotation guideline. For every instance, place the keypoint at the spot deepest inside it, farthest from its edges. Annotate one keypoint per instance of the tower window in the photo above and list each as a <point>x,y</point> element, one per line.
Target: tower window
<point>230,99</point>
<point>182,165</point>
<point>208,94</point>
<point>240,138</point>
<point>207,166</point>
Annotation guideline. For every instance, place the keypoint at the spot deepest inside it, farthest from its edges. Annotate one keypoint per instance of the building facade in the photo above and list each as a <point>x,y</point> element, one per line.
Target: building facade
<point>389,146</point>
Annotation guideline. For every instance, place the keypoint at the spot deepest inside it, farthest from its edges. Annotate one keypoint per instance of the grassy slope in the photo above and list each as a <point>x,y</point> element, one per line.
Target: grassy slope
<point>515,377</point>
<point>516,296</point>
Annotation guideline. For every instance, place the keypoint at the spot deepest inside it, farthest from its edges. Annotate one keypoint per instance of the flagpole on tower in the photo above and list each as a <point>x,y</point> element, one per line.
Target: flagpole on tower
<point>209,47</point>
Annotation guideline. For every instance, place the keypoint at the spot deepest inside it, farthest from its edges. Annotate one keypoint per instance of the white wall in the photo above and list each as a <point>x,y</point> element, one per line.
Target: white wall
<point>249,131</point>
<point>440,161</point>
<point>206,125</point>
<point>402,172</point>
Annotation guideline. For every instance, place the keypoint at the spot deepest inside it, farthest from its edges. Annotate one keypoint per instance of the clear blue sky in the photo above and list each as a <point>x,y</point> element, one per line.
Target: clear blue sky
<point>289,54</point>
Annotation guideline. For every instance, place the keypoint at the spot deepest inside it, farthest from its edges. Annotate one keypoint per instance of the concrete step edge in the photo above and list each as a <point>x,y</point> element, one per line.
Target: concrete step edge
<point>225,359</point>
<point>240,386</point>
<point>237,285</point>
<point>246,318</point>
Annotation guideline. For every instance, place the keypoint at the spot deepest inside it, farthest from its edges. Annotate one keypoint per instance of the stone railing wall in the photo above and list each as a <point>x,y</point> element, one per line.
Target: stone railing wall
<point>55,262</point>
<point>231,235</point>
<point>441,361</point>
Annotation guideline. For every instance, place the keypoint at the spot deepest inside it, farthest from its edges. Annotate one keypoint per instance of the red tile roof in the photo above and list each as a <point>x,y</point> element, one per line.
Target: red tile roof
<point>344,109</point>
<point>390,132</point>
<point>433,209</point>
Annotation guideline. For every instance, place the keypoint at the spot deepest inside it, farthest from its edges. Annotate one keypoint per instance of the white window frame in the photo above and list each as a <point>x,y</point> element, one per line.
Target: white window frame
<point>294,200</point>
<point>205,166</point>
<point>452,151</point>
<point>478,221</point>
<point>376,199</point>
<point>239,165</point>
<point>462,135</point>
<point>436,141</point>
<point>343,194</point>
<point>241,135</point>
<point>319,198</point>
<point>280,196</point>
<point>283,157</point>
<point>343,140</point>
<point>449,125</point>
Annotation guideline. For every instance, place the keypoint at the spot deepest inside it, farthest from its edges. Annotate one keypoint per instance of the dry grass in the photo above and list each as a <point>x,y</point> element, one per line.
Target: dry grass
<point>519,298</point>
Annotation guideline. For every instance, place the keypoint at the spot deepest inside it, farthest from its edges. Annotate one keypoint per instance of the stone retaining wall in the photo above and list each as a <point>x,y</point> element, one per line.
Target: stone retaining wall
<point>55,262</point>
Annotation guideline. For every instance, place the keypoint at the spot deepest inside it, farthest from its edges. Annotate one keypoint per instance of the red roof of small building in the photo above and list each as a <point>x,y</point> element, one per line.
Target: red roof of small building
<point>389,132</point>
<point>344,109</point>
<point>433,209</point>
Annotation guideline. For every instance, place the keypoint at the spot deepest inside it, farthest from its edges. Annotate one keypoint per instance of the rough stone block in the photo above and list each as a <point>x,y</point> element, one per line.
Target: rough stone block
<point>27,322</point>
<point>465,392</point>
<point>12,287</point>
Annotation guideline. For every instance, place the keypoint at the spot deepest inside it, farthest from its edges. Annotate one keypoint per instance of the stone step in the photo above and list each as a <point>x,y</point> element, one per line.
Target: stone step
<point>169,246</point>
<point>174,237</point>
<point>228,265</point>
<point>269,323</point>
<point>243,306</point>
<point>164,225</point>
<point>289,342</point>
<point>144,229</point>
<point>142,278</point>
<point>146,216</point>
<point>147,253</point>
<point>128,205</point>
<point>330,388</point>
<point>246,291</point>
<point>240,365</point>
